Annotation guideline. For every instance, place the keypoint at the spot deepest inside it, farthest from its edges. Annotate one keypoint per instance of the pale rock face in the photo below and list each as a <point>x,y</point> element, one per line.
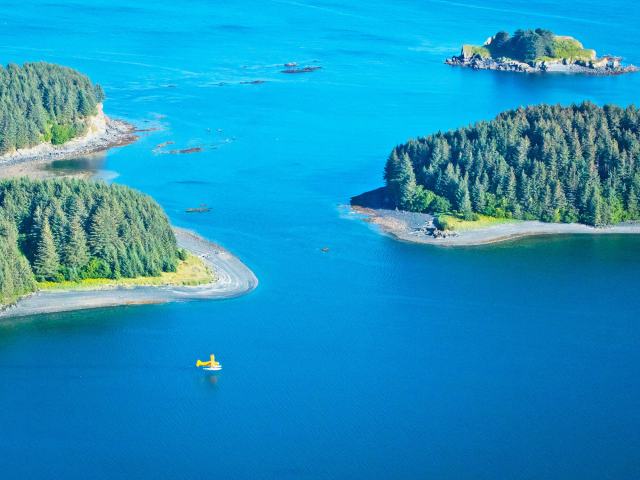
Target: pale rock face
<point>102,133</point>
<point>97,123</point>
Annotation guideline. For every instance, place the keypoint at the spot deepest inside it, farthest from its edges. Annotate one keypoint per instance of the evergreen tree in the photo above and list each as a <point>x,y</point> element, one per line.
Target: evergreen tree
<point>632,203</point>
<point>593,214</point>
<point>46,263</point>
<point>76,252</point>
<point>16,278</point>
<point>478,196</point>
<point>407,182</point>
<point>510,191</point>
<point>401,179</point>
<point>463,200</point>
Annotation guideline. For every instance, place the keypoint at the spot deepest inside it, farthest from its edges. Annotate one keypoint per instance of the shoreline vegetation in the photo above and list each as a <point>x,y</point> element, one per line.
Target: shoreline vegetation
<point>532,171</point>
<point>191,271</point>
<point>537,51</point>
<point>102,134</point>
<point>227,278</point>
<point>419,228</point>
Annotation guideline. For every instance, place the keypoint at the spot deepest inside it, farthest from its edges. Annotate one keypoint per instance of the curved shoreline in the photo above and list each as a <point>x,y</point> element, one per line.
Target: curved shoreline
<point>407,227</point>
<point>103,133</point>
<point>233,279</point>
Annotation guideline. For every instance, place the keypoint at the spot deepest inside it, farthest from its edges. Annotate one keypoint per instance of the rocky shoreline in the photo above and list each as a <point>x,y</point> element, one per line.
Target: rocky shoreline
<point>418,228</point>
<point>103,133</point>
<point>606,66</point>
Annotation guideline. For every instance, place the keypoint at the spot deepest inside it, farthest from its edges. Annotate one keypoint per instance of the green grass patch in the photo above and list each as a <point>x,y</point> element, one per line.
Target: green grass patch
<point>569,48</point>
<point>459,224</point>
<point>470,50</point>
<point>61,134</point>
<point>191,271</point>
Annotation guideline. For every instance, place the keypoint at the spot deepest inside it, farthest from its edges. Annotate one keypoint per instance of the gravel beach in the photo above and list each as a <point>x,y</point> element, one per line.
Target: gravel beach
<point>233,278</point>
<point>102,133</point>
<point>407,226</point>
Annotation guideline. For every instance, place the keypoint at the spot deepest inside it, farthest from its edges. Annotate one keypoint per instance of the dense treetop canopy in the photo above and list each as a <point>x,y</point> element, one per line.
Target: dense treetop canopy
<point>548,162</point>
<point>56,230</point>
<point>524,45</point>
<point>43,102</point>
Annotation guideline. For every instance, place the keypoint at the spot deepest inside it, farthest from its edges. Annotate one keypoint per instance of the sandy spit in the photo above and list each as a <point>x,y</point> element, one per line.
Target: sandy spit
<point>233,279</point>
<point>406,226</point>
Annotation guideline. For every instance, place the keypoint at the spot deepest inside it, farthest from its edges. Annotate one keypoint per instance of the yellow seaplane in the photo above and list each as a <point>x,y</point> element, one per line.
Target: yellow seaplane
<point>212,364</point>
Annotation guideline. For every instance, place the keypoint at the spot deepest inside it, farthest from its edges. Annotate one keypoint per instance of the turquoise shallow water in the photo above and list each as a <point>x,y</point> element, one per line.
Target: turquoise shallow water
<point>377,359</point>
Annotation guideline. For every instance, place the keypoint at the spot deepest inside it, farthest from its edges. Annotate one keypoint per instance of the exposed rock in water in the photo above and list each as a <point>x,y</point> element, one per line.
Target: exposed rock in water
<point>302,70</point>
<point>378,198</point>
<point>185,150</point>
<point>201,209</point>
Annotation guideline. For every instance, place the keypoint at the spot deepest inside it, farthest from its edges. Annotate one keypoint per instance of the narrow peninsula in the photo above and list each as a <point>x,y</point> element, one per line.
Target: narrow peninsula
<point>539,170</point>
<point>539,50</point>
<point>78,244</point>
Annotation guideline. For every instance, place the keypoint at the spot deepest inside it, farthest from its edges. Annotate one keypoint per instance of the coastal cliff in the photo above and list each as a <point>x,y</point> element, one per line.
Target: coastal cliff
<point>102,133</point>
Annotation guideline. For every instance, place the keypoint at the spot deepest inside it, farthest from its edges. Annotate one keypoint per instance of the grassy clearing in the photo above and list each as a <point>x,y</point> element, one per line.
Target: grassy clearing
<point>569,48</point>
<point>460,225</point>
<point>191,271</point>
<point>470,50</point>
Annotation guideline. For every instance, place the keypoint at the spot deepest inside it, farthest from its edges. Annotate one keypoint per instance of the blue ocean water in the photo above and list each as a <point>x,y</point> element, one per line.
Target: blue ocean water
<point>377,359</point>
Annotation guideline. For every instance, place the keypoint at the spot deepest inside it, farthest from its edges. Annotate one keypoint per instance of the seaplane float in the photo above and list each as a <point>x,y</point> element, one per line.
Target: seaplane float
<point>211,365</point>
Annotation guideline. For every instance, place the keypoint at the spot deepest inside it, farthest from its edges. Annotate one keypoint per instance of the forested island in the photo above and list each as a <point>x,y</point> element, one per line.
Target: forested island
<point>49,112</point>
<point>547,163</point>
<point>537,50</point>
<point>57,230</point>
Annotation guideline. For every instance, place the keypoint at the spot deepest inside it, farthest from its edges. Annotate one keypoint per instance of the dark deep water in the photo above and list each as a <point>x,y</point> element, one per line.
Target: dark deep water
<point>377,359</point>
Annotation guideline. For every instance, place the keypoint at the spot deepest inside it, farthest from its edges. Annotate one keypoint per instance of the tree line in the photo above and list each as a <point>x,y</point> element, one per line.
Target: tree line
<point>579,163</point>
<point>65,229</point>
<point>42,102</point>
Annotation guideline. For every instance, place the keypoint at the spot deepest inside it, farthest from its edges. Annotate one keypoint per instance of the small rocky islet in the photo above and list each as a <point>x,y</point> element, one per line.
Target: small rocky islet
<point>537,51</point>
